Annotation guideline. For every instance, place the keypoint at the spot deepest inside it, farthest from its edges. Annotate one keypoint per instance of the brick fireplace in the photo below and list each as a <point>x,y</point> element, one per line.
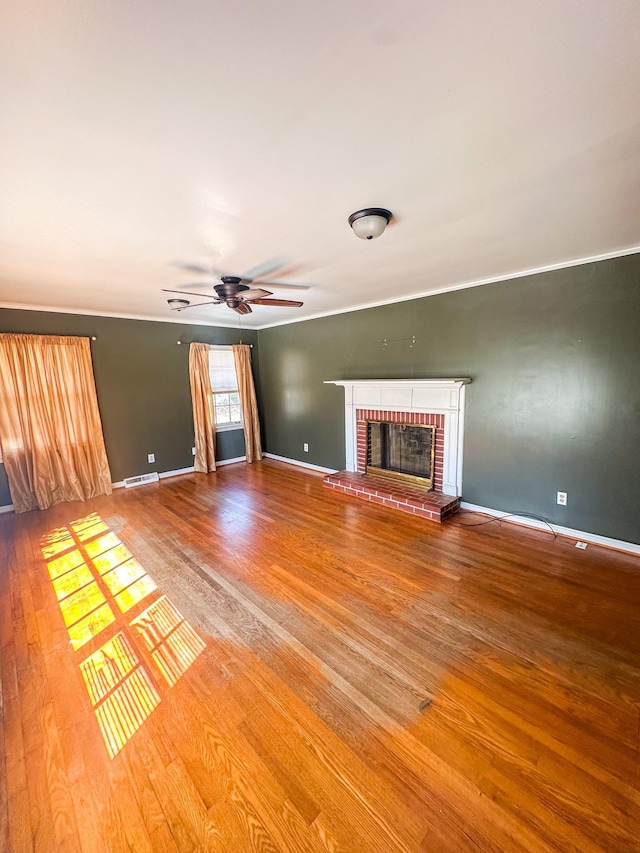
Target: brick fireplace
<point>421,402</point>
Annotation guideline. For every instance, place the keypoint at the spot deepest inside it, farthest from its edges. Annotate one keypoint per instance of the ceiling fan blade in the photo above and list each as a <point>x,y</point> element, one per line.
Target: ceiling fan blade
<point>201,284</point>
<point>241,308</point>
<point>189,293</point>
<point>253,294</point>
<point>282,285</point>
<point>200,268</point>
<point>197,305</point>
<point>283,303</point>
<point>266,268</point>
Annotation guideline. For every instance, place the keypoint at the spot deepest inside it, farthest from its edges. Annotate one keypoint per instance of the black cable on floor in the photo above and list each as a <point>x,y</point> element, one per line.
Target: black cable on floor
<point>499,518</point>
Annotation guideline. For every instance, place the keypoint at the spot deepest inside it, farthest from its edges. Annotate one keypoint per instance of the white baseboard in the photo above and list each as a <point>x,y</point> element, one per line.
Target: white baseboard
<point>161,476</point>
<point>7,508</point>
<point>594,538</point>
<point>300,464</point>
<point>177,471</point>
<point>231,461</point>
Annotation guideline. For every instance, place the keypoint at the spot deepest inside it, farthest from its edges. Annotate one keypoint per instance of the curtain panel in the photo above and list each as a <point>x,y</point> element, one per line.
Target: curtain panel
<point>204,427</point>
<point>50,428</point>
<point>247,391</point>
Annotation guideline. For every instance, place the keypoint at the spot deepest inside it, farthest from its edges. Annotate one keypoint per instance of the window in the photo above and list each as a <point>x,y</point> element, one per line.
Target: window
<point>224,385</point>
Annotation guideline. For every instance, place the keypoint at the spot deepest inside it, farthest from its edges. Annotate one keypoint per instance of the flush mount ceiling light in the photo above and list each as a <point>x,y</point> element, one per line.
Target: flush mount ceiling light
<point>369,222</point>
<point>178,304</point>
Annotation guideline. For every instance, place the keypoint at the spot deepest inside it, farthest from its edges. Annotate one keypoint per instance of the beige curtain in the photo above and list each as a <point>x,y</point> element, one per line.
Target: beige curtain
<point>50,428</point>
<point>204,426</point>
<point>247,391</point>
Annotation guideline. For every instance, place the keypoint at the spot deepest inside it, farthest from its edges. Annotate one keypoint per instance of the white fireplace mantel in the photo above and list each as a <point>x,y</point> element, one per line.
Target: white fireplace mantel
<point>432,396</point>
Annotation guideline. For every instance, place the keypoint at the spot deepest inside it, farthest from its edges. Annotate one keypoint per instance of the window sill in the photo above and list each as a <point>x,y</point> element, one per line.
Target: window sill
<point>228,427</point>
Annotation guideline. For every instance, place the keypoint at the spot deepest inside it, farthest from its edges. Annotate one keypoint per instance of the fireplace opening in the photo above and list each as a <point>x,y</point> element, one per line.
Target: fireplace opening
<point>403,451</point>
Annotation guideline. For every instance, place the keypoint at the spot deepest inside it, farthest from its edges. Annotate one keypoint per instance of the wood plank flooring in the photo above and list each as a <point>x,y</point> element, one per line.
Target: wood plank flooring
<point>248,661</point>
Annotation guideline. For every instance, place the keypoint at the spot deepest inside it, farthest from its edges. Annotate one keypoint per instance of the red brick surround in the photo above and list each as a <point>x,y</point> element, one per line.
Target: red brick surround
<point>418,418</point>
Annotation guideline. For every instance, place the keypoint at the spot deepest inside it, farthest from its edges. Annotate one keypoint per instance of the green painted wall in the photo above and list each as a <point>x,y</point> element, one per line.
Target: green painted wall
<point>5,496</point>
<point>555,398</point>
<point>142,380</point>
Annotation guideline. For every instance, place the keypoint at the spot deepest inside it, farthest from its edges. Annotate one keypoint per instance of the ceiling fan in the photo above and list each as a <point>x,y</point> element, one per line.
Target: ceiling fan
<point>234,291</point>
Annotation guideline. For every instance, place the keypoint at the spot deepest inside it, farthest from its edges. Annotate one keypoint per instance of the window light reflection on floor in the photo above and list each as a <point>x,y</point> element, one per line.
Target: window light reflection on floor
<point>90,569</point>
<point>135,593</point>
<point>61,565</point>
<point>81,602</point>
<point>121,576</point>
<point>99,546</point>
<point>71,581</point>
<point>129,584</point>
<point>110,559</point>
<point>55,542</point>
<point>89,627</point>
<point>83,606</point>
<point>173,643</point>
<point>83,523</point>
<point>120,691</point>
<point>91,531</point>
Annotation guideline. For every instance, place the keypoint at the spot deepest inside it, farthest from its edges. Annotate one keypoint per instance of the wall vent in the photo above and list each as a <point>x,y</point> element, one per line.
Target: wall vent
<point>130,482</point>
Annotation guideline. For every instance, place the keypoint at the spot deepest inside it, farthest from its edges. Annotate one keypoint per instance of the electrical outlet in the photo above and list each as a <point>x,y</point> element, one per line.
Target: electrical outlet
<point>581,545</point>
<point>151,457</point>
<point>562,498</point>
<point>193,451</point>
<point>305,447</point>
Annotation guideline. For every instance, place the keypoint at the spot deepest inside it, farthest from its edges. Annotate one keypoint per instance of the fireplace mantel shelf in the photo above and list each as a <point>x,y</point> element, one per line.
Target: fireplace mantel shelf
<point>428,396</point>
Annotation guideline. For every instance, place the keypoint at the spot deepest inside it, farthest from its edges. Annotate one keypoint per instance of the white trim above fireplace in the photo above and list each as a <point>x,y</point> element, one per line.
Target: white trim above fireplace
<point>432,396</point>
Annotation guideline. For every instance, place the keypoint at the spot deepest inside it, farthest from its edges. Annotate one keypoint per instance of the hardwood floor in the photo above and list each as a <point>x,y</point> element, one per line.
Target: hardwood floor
<point>249,661</point>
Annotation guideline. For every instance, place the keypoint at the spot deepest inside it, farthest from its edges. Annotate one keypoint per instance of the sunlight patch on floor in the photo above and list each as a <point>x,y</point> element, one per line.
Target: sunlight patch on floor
<point>120,691</point>
<point>99,546</point>
<point>110,559</point>
<point>63,564</point>
<point>90,569</point>
<point>173,643</point>
<point>71,581</point>
<point>55,542</point>
<point>89,627</point>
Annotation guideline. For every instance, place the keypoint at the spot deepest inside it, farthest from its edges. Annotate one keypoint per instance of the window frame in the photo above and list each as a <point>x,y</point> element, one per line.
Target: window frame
<point>235,425</point>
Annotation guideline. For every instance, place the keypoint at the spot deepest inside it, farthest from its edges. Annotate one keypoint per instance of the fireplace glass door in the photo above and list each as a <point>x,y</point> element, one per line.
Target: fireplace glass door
<point>404,451</point>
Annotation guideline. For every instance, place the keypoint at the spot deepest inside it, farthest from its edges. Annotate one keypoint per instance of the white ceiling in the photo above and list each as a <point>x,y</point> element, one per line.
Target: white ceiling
<point>503,134</point>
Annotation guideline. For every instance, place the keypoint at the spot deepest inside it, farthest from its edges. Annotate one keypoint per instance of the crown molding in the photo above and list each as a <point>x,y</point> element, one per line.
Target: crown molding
<point>560,265</point>
<point>85,312</point>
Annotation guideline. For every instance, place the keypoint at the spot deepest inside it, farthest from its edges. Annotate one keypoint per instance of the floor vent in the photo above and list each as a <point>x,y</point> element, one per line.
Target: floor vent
<point>130,482</point>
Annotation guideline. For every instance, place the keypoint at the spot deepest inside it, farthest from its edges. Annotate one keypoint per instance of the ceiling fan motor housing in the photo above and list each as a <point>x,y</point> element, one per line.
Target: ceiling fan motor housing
<point>231,286</point>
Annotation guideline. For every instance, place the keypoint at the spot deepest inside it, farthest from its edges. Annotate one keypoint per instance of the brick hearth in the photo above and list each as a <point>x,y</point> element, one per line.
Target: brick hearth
<point>382,490</point>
